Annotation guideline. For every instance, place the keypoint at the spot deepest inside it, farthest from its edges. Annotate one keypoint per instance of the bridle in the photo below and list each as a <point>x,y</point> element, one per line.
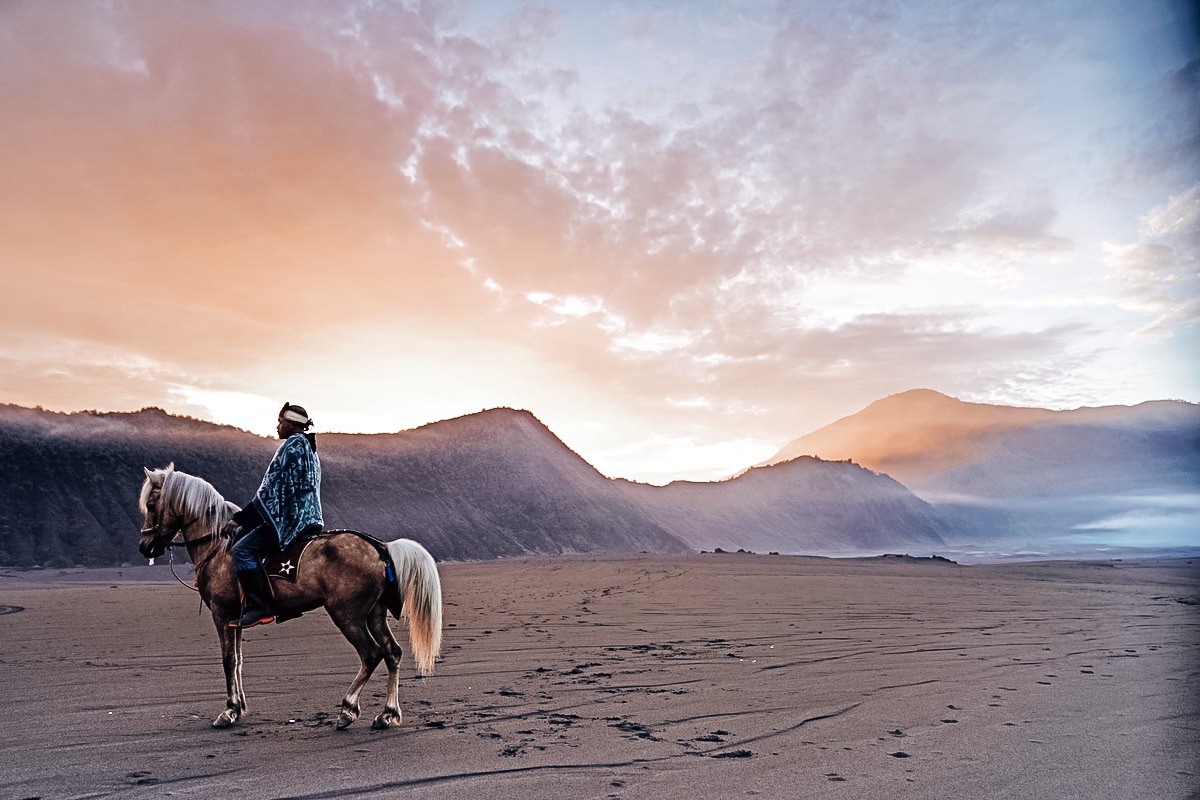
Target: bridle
<point>156,530</point>
<point>178,531</point>
<point>157,533</point>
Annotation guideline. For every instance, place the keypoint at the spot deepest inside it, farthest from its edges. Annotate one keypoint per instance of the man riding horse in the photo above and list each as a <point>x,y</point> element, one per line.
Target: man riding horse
<point>286,506</point>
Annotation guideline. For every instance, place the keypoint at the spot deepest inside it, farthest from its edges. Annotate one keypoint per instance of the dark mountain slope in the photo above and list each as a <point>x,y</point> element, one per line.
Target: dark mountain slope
<point>802,506</point>
<point>491,484</point>
<point>69,482</point>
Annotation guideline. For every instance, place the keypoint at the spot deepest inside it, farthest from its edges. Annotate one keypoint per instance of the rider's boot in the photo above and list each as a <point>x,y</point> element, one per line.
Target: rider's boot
<point>256,598</point>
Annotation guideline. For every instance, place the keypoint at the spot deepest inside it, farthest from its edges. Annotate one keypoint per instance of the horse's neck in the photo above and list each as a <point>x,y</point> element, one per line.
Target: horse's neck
<point>208,544</point>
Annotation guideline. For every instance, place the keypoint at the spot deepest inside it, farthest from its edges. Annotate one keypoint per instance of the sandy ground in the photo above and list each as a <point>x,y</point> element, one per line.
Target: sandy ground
<point>710,676</point>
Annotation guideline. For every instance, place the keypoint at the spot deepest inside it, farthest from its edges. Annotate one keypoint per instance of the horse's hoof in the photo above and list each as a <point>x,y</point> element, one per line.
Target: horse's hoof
<point>226,719</point>
<point>345,719</point>
<point>387,719</point>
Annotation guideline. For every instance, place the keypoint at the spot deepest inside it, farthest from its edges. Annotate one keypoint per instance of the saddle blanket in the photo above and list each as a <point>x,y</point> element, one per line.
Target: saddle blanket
<point>286,563</point>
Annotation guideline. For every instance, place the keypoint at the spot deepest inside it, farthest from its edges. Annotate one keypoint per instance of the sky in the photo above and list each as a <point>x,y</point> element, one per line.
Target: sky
<point>681,234</point>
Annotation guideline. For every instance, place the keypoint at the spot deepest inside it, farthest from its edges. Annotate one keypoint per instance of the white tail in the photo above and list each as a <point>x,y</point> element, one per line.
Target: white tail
<point>421,595</point>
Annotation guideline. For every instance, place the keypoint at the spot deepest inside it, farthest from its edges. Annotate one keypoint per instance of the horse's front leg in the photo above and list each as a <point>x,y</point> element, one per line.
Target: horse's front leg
<point>231,660</point>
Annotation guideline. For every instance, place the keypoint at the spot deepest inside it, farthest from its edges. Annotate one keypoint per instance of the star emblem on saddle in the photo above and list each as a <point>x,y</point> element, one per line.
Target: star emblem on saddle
<point>286,568</point>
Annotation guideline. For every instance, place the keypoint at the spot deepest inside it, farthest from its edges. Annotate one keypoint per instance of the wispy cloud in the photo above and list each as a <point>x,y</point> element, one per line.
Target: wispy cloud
<point>1159,274</point>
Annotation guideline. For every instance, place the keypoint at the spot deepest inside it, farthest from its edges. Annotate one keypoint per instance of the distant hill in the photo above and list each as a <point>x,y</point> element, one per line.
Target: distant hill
<point>911,435</point>
<point>1122,474</point>
<point>492,484</point>
<point>803,506</point>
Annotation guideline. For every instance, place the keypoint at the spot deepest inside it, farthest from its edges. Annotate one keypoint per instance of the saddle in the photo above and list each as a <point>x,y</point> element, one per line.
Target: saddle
<point>285,563</point>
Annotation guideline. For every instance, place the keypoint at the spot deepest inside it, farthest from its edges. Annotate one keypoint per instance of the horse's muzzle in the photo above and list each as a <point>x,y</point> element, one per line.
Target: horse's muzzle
<point>151,547</point>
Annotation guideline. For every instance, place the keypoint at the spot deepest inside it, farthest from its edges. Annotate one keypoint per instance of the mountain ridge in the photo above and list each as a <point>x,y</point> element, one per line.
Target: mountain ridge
<point>879,437</point>
<point>490,484</point>
<point>499,482</point>
<point>487,485</point>
<point>1127,475</point>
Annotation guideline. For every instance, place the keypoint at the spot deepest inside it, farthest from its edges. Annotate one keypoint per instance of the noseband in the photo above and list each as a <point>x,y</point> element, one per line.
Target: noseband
<point>154,530</point>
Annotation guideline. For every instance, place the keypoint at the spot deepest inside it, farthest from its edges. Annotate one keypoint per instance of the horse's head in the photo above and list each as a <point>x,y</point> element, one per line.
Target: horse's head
<point>160,524</point>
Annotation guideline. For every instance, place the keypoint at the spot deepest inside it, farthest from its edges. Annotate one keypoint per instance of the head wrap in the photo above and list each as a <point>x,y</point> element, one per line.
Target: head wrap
<point>295,414</point>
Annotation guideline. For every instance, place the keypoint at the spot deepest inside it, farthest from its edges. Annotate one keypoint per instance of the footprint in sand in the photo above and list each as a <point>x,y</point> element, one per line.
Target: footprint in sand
<point>733,754</point>
<point>637,729</point>
<point>141,778</point>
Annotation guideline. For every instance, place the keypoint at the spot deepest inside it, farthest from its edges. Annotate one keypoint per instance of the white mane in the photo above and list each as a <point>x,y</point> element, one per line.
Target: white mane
<point>190,497</point>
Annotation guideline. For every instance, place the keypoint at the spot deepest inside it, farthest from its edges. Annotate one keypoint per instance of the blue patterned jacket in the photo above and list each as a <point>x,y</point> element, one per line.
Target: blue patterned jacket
<point>289,498</point>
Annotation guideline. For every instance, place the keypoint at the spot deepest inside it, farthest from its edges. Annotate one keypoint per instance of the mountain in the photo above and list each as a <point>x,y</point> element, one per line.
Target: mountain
<point>1116,474</point>
<point>69,482</point>
<point>492,484</point>
<point>496,483</point>
<point>499,483</point>
<point>806,505</point>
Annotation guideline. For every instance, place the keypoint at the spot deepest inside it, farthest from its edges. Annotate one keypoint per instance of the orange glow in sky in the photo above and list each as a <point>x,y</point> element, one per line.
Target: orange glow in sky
<point>681,234</point>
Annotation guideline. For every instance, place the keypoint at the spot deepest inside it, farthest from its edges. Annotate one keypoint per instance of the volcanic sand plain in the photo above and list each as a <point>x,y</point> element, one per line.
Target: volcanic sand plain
<point>704,676</point>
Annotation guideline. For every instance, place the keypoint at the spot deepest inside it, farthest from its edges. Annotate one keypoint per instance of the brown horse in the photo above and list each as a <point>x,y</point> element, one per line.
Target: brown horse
<point>345,573</point>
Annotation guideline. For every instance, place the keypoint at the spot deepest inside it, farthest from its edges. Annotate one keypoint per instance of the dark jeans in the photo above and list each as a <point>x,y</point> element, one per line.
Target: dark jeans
<point>250,547</point>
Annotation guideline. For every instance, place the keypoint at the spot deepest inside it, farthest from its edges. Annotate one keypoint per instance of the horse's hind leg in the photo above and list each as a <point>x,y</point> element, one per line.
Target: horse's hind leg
<point>231,659</point>
<point>369,654</point>
<point>377,621</point>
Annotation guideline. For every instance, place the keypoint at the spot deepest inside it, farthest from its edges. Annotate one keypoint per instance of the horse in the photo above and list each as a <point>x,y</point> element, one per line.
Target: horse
<point>343,572</point>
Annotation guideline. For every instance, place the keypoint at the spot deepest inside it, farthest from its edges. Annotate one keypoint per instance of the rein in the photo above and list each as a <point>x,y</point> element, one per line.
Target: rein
<point>170,548</point>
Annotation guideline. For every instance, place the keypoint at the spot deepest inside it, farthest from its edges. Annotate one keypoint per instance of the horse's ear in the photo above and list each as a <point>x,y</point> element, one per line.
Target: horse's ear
<point>149,474</point>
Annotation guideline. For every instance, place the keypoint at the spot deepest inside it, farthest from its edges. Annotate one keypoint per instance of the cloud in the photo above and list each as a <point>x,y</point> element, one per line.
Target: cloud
<point>243,184</point>
<point>652,203</point>
<point>59,373</point>
<point>1176,221</point>
<point>1159,274</point>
